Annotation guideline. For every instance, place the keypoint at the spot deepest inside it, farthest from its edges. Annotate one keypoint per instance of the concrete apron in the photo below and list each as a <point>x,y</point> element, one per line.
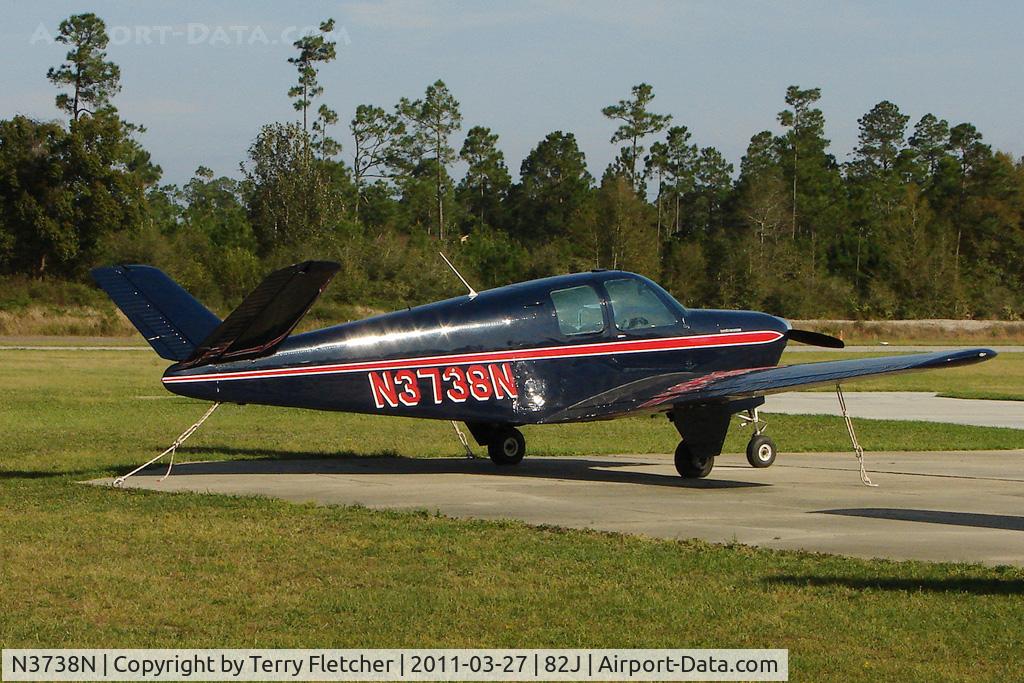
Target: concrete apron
<point>952,506</point>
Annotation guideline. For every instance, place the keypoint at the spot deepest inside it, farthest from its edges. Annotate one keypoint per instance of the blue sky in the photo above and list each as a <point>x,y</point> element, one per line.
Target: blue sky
<point>210,74</point>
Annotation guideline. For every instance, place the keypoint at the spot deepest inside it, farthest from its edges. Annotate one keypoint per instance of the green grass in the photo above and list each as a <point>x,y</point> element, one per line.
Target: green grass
<point>88,567</point>
<point>921,332</point>
<point>1001,378</point>
<point>92,567</point>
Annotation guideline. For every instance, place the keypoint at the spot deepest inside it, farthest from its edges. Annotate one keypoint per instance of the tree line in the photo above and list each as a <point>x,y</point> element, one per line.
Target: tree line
<point>923,220</point>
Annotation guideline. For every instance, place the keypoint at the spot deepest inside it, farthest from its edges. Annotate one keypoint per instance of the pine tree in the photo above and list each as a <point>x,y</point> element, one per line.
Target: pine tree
<point>553,189</point>
<point>875,184</point>
<point>817,199</point>
<point>92,79</point>
<point>314,50</point>
<point>880,141</point>
<point>430,123</point>
<point>929,143</point>
<point>376,135</point>
<point>487,180</point>
<point>637,123</point>
<point>680,170</point>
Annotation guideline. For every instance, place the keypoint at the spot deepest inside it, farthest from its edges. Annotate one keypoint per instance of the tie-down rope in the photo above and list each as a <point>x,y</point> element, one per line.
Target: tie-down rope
<point>858,451</point>
<point>465,442</point>
<point>172,449</point>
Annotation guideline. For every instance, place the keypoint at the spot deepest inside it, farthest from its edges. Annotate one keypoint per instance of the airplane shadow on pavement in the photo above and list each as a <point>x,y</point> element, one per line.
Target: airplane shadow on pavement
<point>974,519</point>
<point>959,584</point>
<point>274,462</point>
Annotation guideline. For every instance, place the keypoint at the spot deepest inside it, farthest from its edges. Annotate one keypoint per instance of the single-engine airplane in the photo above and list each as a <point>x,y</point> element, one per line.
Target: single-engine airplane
<point>587,346</point>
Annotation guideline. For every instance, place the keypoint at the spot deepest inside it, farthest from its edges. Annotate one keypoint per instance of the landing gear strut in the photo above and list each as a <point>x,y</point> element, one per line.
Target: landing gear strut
<point>761,450</point>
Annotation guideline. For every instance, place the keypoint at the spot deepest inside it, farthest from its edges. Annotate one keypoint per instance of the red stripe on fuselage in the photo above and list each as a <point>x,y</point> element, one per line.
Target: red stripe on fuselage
<point>543,353</point>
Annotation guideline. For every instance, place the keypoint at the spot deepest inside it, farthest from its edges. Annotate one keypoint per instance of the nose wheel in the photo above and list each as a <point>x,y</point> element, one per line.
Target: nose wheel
<point>761,449</point>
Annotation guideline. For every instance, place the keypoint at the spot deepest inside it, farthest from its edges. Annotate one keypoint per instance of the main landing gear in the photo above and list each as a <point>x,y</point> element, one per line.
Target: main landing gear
<point>506,446</point>
<point>703,429</point>
<point>690,465</point>
<point>761,450</point>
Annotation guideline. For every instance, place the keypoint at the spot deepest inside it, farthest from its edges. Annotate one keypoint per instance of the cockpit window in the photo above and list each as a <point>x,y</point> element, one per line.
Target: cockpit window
<point>578,310</point>
<point>636,307</point>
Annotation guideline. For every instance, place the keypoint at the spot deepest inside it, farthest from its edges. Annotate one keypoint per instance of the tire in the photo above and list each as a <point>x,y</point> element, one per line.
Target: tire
<point>761,451</point>
<point>507,446</point>
<point>690,466</point>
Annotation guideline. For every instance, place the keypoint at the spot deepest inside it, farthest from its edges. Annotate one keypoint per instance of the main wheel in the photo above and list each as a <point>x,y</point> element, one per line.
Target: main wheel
<point>689,465</point>
<point>761,451</point>
<point>507,446</point>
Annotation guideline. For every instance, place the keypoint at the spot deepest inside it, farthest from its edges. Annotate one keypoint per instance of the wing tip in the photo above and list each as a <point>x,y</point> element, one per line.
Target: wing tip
<point>969,356</point>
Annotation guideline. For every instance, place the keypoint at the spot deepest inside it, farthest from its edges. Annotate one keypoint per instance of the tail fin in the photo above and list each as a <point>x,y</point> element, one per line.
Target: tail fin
<point>170,319</point>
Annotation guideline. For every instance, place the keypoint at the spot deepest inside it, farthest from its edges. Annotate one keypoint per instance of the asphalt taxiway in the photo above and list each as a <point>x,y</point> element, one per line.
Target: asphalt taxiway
<point>902,405</point>
<point>950,506</point>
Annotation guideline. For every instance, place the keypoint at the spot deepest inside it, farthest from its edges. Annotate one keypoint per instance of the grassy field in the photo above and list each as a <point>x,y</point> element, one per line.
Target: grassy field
<point>82,566</point>
<point>999,378</point>
<point>917,332</point>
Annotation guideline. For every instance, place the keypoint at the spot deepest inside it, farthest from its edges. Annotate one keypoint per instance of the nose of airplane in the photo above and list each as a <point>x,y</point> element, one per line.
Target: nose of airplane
<point>773,322</point>
<point>754,320</point>
<point>751,320</point>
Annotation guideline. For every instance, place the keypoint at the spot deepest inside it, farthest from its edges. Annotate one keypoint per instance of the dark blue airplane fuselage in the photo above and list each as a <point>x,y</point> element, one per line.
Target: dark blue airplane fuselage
<point>501,357</point>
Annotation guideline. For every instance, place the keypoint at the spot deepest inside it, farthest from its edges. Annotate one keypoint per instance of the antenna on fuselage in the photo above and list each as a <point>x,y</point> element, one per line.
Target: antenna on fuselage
<point>472,292</point>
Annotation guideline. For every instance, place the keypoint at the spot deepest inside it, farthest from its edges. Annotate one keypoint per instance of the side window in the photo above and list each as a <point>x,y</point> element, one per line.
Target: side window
<point>578,310</point>
<point>636,307</point>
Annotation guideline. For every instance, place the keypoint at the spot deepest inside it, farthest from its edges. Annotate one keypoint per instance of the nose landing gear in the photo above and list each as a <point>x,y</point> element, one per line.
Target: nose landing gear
<point>761,449</point>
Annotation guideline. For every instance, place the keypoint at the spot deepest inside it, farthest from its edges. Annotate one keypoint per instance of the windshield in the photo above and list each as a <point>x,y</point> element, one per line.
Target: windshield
<point>674,304</point>
<point>636,306</point>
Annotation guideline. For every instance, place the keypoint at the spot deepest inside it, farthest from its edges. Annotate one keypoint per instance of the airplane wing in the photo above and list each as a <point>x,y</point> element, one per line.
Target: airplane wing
<point>664,391</point>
